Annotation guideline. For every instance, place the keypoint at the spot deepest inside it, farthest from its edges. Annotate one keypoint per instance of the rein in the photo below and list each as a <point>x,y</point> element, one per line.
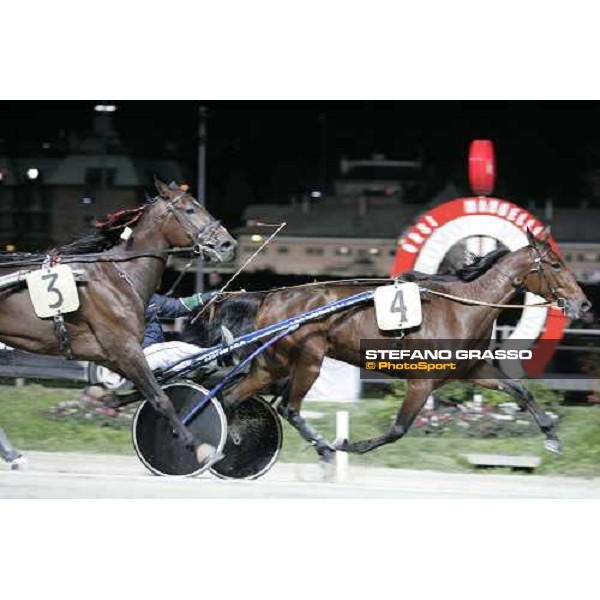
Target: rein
<point>452,297</point>
<point>463,300</point>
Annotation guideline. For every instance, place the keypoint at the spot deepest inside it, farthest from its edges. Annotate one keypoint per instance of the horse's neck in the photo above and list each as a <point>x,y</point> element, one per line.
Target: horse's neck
<point>145,272</point>
<point>494,287</point>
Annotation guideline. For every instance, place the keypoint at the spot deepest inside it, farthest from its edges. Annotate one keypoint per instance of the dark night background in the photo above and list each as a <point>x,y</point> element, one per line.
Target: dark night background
<point>266,151</point>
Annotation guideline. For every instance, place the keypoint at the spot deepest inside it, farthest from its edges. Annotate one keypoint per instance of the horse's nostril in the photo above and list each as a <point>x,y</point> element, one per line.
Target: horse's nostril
<point>586,306</point>
<point>228,245</point>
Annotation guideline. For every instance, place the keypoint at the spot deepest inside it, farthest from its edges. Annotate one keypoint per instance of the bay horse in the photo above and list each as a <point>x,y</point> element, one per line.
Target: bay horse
<point>120,275</point>
<point>493,280</point>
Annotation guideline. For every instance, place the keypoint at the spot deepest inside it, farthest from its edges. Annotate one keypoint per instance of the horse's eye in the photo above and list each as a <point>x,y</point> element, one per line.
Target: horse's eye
<point>190,211</point>
<point>556,266</point>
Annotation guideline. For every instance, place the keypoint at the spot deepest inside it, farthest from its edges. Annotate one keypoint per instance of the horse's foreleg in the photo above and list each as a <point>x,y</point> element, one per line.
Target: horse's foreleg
<point>416,396</point>
<point>133,365</point>
<point>490,377</point>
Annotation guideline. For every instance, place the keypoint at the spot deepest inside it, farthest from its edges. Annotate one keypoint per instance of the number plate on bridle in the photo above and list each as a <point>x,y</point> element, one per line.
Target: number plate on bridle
<point>398,306</point>
<point>53,291</point>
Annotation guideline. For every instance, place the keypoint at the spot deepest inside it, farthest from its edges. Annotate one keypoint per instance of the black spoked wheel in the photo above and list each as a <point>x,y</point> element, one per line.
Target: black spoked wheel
<point>157,447</point>
<point>254,438</point>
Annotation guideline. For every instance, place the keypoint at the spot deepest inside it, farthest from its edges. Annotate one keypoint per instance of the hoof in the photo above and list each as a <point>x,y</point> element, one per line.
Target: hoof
<point>326,455</point>
<point>207,455</point>
<point>18,463</point>
<point>341,445</point>
<point>205,452</point>
<point>553,446</point>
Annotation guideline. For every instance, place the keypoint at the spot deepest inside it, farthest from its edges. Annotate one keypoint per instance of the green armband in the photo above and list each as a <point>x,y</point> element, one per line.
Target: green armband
<point>192,302</point>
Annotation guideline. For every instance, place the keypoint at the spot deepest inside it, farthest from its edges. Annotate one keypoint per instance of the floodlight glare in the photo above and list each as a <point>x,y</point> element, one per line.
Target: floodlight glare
<point>105,108</point>
<point>33,173</point>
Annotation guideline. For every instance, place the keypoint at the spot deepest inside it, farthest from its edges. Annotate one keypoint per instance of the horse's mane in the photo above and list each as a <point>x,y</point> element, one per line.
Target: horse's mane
<point>107,235</point>
<point>479,266</point>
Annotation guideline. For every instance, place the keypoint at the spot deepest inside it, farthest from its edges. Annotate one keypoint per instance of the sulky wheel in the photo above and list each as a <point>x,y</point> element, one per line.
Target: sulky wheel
<point>154,441</point>
<point>254,437</point>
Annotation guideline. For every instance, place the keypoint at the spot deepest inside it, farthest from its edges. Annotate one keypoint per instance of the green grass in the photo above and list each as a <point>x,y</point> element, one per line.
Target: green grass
<point>24,417</point>
<point>579,431</point>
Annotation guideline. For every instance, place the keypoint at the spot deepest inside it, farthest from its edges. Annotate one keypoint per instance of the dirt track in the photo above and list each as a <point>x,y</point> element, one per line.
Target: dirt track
<point>62,475</point>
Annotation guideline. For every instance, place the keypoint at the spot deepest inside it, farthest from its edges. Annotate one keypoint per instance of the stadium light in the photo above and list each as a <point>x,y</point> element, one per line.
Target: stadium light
<point>256,238</point>
<point>107,108</point>
<point>315,194</point>
<point>33,174</point>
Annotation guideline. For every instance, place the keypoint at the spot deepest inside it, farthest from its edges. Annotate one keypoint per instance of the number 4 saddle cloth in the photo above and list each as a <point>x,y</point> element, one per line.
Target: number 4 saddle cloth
<point>398,306</point>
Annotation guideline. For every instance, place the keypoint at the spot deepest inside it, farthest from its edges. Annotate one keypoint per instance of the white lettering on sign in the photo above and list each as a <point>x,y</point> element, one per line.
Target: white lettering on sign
<point>470,206</point>
<point>410,248</point>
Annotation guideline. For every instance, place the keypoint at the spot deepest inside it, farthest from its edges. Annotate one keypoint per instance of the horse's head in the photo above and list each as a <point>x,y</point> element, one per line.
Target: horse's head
<point>548,276</point>
<point>186,221</point>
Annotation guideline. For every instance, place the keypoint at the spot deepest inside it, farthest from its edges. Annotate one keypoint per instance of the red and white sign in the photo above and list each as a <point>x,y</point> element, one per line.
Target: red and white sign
<point>428,241</point>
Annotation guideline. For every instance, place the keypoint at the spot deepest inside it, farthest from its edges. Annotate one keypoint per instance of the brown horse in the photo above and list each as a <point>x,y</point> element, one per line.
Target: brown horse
<point>494,279</point>
<point>118,282</point>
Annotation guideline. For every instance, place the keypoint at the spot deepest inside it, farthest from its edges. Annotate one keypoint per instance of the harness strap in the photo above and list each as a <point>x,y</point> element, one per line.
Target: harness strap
<point>60,330</point>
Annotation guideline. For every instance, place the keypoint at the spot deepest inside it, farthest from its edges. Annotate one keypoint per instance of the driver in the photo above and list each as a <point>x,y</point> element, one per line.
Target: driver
<point>159,353</point>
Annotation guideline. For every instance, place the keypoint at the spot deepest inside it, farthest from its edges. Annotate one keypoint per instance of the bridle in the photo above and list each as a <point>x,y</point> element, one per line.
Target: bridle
<point>537,268</point>
<point>201,240</point>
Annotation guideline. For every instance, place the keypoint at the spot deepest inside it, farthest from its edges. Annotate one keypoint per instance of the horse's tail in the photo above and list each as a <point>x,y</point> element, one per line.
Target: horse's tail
<point>238,313</point>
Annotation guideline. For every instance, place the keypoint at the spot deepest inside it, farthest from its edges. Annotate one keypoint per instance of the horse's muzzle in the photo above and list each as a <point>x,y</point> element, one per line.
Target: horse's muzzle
<point>223,250</point>
<point>575,309</point>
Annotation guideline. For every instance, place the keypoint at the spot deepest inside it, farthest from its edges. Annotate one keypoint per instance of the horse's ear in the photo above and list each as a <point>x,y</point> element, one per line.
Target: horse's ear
<point>531,239</point>
<point>161,187</point>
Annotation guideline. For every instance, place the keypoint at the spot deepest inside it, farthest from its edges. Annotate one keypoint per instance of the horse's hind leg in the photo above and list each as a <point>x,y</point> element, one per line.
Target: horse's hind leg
<point>324,449</point>
<point>417,392</point>
<point>303,374</point>
<point>490,377</point>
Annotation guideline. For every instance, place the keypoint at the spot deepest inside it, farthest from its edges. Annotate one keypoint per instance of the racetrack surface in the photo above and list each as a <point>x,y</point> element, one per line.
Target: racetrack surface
<point>71,475</point>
